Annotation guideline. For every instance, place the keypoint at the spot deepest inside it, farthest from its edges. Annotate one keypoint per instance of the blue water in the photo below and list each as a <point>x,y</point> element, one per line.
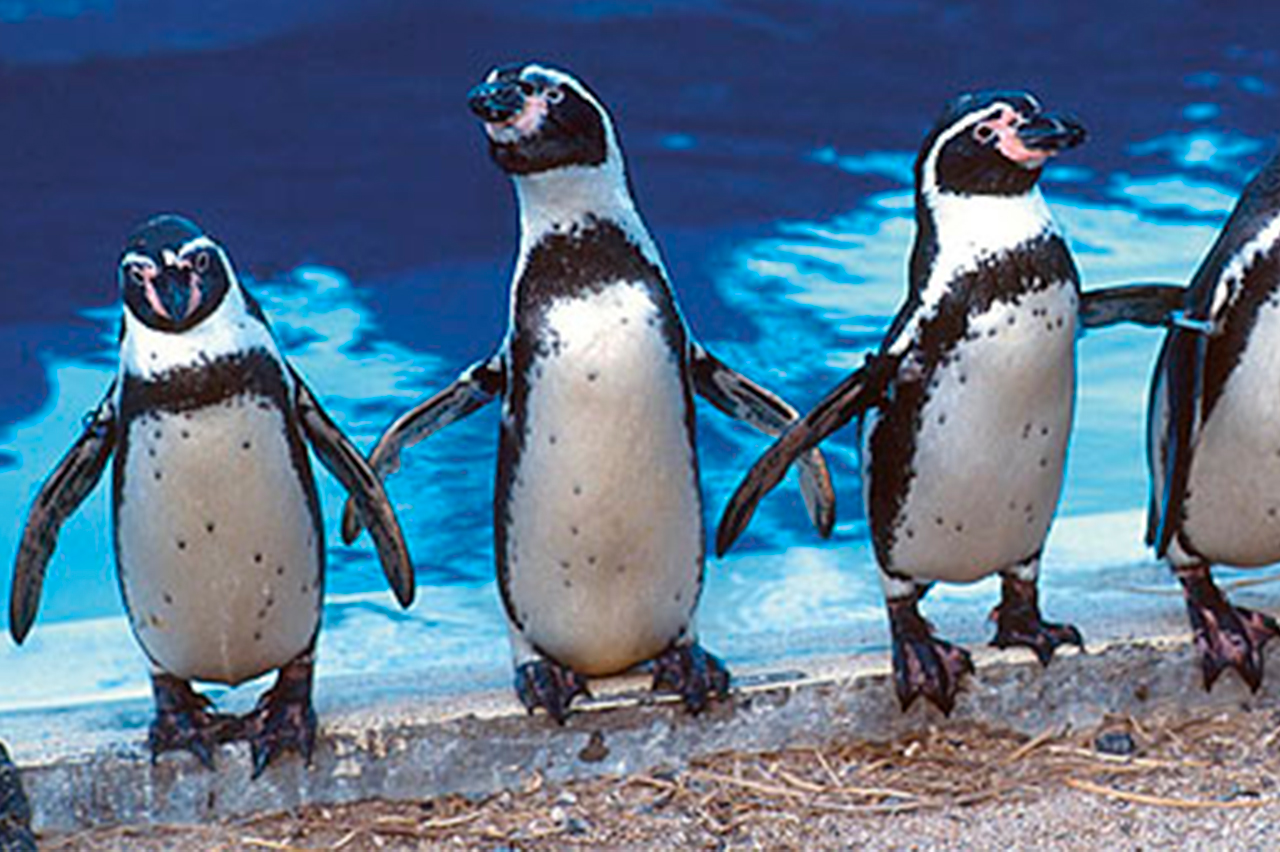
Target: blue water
<point>328,146</point>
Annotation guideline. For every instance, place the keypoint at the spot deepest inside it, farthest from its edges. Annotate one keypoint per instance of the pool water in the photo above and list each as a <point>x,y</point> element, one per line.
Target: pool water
<point>329,148</point>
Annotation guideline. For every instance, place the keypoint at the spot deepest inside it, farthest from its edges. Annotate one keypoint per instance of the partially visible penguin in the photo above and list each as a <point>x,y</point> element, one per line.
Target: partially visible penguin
<point>598,522</point>
<point>967,407</point>
<point>218,535</point>
<point>1214,431</point>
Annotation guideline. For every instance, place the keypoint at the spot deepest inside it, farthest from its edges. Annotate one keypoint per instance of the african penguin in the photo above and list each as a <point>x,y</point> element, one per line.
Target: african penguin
<point>218,534</point>
<point>597,509</point>
<point>1214,431</point>
<point>966,410</point>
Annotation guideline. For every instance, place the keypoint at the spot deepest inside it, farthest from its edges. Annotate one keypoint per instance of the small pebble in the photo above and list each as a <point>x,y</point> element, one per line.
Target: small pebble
<point>1115,742</point>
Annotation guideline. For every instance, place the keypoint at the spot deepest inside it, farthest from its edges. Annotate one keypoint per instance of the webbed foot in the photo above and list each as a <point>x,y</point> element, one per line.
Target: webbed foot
<point>15,809</point>
<point>1227,636</point>
<point>184,722</point>
<point>1018,622</point>
<point>922,663</point>
<point>284,719</point>
<point>690,671</point>
<point>547,684</point>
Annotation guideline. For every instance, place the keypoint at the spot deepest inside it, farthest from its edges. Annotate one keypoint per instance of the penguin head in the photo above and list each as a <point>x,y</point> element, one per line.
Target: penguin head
<point>992,143</point>
<point>172,276</point>
<point>540,119</point>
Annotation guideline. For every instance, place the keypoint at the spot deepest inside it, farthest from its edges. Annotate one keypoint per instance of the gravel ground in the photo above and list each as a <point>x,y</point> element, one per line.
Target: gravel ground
<point>1169,782</point>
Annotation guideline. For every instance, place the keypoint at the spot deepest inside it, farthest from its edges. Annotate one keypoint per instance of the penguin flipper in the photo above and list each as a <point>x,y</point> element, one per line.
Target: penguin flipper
<point>861,390</point>
<point>475,388</point>
<point>1142,303</point>
<point>742,399</point>
<point>60,495</point>
<point>1184,381</point>
<point>343,460</point>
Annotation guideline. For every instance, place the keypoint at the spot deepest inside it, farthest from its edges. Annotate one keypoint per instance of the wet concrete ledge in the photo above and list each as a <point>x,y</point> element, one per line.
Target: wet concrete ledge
<point>89,767</point>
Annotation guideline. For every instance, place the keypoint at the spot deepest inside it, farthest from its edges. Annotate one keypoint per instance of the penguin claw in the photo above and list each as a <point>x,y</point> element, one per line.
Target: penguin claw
<point>183,722</point>
<point>549,685</point>
<point>1227,636</point>
<point>1018,622</point>
<point>695,674</point>
<point>923,664</point>
<point>284,719</point>
<point>277,726</point>
<point>1231,637</point>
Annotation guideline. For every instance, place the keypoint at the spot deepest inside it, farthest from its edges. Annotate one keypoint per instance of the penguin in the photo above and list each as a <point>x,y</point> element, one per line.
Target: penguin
<point>966,409</point>
<point>217,530</point>
<point>598,528</point>
<point>1213,451</point>
<point>15,809</point>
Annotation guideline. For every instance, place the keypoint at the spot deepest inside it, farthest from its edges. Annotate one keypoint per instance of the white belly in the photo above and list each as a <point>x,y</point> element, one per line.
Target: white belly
<point>604,546</point>
<point>992,444</point>
<point>1232,508</point>
<point>216,544</point>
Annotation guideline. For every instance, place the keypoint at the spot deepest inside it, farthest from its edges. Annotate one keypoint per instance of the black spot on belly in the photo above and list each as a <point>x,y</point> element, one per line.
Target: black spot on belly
<point>158,476</point>
<point>257,635</point>
<point>551,439</point>
<point>186,434</point>
<point>565,564</point>
<point>591,560</point>
<point>157,434</point>
<point>247,445</point>
<point>279,570</point>
<point>168,598</point>
<point>573,530</point>
<point>568,584</point>
<point>257,558</point>
<point>622,568</point>
<point>210,527</point>
<point>577,490</point>
<point>182,545</point>
<point>592,376</point>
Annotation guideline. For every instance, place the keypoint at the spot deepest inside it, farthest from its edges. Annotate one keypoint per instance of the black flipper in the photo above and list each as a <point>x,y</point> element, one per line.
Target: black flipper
<point>1145,303</point>
<point>1184,386</point>
<point>860,391</point>
<point>478,385</point>
<point>60,495</point>
<point>344,461</point>
<point>742,399</point>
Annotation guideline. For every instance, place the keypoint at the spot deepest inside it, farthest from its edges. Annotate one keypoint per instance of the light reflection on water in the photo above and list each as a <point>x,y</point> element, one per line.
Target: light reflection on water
<point>820,295</point>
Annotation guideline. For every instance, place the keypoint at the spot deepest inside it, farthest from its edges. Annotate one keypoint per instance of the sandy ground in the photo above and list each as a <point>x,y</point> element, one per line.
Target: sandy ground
<point>1204,783</point>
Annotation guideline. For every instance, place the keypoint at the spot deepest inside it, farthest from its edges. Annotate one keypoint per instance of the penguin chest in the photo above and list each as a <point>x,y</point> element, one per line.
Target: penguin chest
<point>603,546</point>
<point>980,482</point>
<point>1232,504</point>
<point>217,539</point>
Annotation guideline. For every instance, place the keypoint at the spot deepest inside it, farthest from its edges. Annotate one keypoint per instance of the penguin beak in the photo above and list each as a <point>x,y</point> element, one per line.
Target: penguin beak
<point>174,293</point>
<point>496,103</point>
<point>1030,143</point>
<point>1051,133</point>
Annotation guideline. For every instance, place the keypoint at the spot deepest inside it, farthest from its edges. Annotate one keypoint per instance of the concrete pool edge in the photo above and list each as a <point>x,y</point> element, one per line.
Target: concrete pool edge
<point>393,746</point>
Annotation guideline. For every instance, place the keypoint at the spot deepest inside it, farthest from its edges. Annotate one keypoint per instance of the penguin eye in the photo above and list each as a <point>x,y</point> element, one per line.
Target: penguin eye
<point>554,96</point>
<point>201,262</point>
<point>983,133</point>
<point>135,274</point>
<point>526,88</point>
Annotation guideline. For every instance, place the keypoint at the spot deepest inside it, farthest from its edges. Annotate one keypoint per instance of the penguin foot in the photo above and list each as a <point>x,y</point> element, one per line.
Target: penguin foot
<point>15,809</point>
<point>284,719</point>
<point>1018,622</point>
<point>922,663</point>
<point>549,685</point>
<point>184,722</point>
<point>692,672</point>
<point>1227,636</point>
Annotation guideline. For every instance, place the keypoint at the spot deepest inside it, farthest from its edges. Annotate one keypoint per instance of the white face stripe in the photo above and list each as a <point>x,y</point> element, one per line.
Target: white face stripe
<point>928,176</point>
<point>1228,286</point>
<point>147,352</point>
